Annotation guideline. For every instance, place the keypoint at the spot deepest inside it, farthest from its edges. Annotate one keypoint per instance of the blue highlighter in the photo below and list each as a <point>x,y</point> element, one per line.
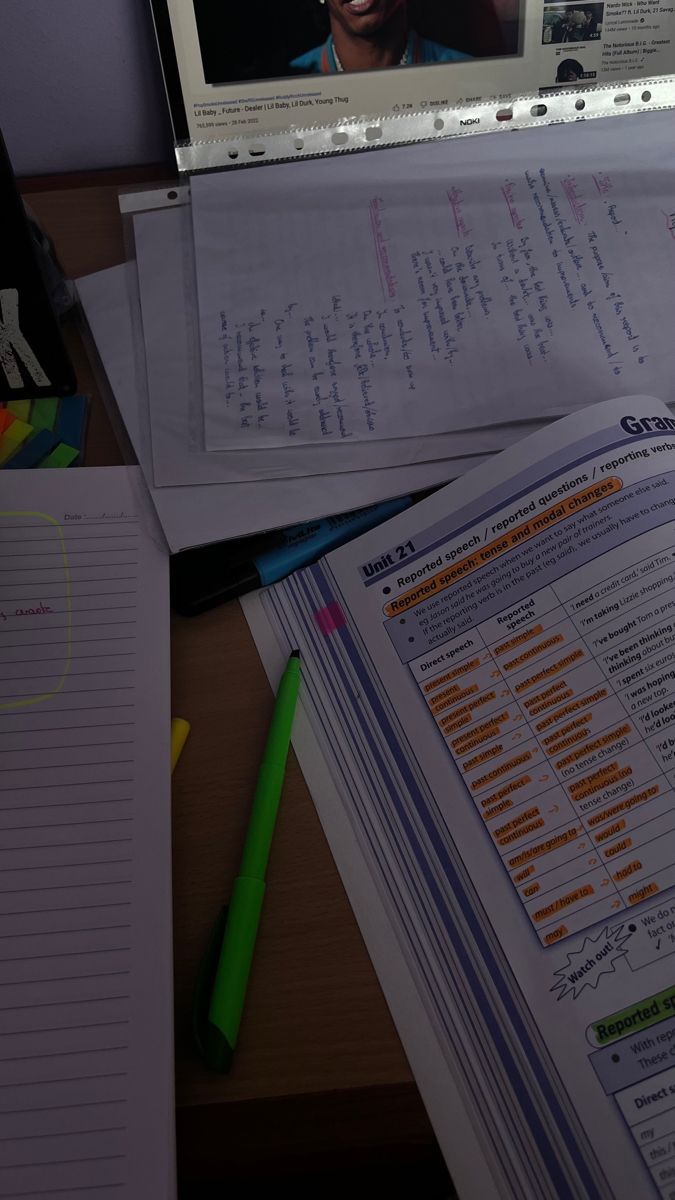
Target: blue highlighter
<point>210,575</point>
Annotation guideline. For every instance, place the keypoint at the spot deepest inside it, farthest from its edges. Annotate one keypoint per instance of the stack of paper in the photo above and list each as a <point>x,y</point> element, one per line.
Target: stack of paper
<point>305,338</point>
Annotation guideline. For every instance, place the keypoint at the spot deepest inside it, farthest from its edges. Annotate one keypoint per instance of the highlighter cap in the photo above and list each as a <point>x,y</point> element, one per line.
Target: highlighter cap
<point>210,1042</point>
<point>214,1049</point>
<point>197,587</point>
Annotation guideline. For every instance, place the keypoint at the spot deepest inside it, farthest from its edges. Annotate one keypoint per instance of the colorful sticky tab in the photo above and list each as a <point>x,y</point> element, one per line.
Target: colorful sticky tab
<point>20,409</point>
<point>61,456</point>
<point>62,424</point>
<point>71,419</point>
<point>13,436</point>
<point>33,451</point>
<point>6,419</point>
<point>43,415</point>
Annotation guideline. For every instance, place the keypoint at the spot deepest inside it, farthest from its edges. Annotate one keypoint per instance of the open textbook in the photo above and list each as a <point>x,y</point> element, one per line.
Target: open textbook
<point>488,730</point>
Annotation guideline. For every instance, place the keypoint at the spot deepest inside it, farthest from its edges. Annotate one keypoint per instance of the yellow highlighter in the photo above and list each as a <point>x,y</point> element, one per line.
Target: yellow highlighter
<point>179,735</point>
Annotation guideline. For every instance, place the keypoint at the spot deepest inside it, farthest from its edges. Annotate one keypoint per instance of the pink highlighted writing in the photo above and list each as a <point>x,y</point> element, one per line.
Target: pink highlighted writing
<point>388,281</point>
<point>456,198</point>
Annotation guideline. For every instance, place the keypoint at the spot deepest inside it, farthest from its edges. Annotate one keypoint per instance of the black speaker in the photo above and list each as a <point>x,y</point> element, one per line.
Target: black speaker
<point>33,358</point>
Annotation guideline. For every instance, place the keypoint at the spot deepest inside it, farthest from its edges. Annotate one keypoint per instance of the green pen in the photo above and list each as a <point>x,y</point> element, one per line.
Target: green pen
<point>223,979</point>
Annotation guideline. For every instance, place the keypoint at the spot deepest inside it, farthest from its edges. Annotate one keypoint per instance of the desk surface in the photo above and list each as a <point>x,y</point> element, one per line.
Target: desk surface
<point>319,1071</point>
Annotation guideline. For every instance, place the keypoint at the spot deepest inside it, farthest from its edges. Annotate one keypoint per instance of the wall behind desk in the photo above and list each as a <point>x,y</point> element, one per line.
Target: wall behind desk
<point>81,86</point>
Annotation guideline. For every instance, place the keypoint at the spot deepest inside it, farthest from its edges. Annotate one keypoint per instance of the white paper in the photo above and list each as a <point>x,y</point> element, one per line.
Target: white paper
<point>86,1021</point>
<point>489,705</point>
<point>164,256</point>
<point>436,287</point>
<point>192,516</point>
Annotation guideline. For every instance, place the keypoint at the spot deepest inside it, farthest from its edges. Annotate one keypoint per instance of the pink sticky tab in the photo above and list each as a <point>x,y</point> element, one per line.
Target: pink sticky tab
<point>330,618</point>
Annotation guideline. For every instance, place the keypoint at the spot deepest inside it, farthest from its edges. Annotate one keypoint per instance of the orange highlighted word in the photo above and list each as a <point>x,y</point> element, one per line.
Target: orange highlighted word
<point>518,640</point>
<point>555,935</point>
<point>614,735</point>
<point>521,819</point>
<point>619,847</point>
<point>454,721</point>
<point>624,805</point>
<point>566,694</point>
<point>567,709</point>
<point>554,737</point>
<point>552,843</point>
<point>497,810</point>
<point>479,733</point>
<point>516,834</point>
<point>503,769</point>
<point>450,696</point>
<point>610,832</point>
<point>521,659</point>
<point>625,872</point>
<point>484,756</point>
<point>649,889</point>
<point>561,665</point>
<point>462,669</point>
<point>598,780</point>
<point>563,902</point>
<point>543,700</point>
<point>570,740</point>
<point>512,786</point>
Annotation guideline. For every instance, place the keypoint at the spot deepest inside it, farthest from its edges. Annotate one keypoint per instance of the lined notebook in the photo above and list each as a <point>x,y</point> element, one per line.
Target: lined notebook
<point>86,1076</point>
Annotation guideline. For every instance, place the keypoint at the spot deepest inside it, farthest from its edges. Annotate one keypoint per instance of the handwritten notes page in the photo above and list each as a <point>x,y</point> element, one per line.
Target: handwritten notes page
<point>203,513</point>
<point>86,1082</point>
<point>437,287</point>
<point>165,261</point>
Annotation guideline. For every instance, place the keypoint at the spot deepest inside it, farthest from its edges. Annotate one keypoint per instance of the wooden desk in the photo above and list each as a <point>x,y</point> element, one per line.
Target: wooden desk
<point>320,1081</point>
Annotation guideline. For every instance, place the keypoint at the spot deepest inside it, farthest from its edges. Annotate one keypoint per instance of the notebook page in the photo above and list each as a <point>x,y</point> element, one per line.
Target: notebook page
<point>86,1077</point>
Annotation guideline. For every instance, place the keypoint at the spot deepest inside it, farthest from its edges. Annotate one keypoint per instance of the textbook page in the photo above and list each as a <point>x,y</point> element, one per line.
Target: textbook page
<point>86,1020</point>
<point>436,287</point>
<point>489,735</point>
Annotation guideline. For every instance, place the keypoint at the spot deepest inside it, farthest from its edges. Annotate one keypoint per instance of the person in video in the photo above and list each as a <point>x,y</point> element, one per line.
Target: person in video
<point>366,35</point>
<point>591,27</point>
<point>569,71</point>
<point>569,27</point>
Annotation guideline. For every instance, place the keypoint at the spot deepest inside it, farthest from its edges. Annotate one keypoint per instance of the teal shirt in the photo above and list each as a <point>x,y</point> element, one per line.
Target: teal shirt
<point>321,60</point>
